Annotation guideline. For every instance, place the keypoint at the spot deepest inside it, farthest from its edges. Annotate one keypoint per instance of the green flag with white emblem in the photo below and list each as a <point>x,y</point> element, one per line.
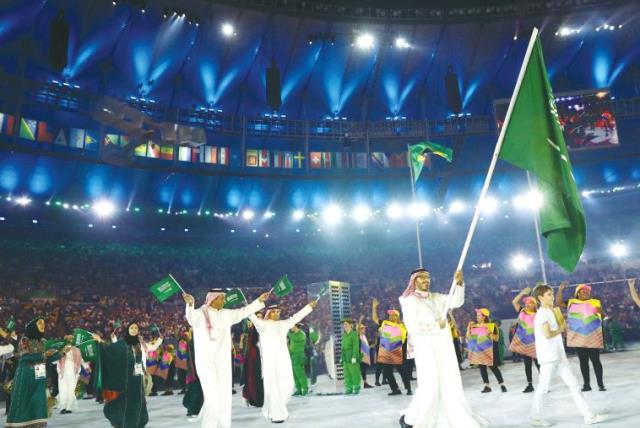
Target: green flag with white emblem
<point>533,141</point>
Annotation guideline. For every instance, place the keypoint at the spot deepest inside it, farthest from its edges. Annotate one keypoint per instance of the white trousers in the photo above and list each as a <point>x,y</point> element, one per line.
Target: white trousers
<point>547,372</point>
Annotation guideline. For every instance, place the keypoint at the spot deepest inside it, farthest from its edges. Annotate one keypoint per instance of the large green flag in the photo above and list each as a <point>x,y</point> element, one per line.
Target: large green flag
<point>418,155</point>
<point>533,141</point>
<point>165,288</point>
<point>11,323</point>
<point>283,287</point>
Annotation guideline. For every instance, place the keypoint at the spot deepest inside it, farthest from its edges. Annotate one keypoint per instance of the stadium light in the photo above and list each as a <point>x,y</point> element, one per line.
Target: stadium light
<point>520,262</point>
<point>619,250</point>
<point>457,207</point>
<point>269,214</point>
<point>248,214</point>
<point>361,213</point>
<point>23,201</point>
<point>489,205</point>
<point>103,208</point>
<point>332,214</point>
<point>419,210</point>
<point>365,41</point>
<point>402,43</point>
<point>531,200</point>
<point>297,215</point>
<point>228,30</point>
<point>394,211</point>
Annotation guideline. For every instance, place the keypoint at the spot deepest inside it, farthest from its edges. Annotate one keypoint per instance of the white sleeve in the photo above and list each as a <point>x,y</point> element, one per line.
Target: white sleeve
<point>237,315</point>
<point>6,349</point>
<point>295,319</point>
<point>457,299</point>
<point>193,316</point>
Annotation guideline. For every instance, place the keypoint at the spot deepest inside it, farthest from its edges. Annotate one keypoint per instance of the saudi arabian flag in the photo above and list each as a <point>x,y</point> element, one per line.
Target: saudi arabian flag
<point>283,287</point>
<point>533,141</point>
<point>165,288</point>
<point>233,298</point>
<point>418,155</point>
<point>83,340</point>
<point>11,323</point>
<point>56,344</point>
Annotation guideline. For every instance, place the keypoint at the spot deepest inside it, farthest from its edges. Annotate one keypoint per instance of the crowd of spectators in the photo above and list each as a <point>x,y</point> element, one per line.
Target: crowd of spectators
<point>91,285</point>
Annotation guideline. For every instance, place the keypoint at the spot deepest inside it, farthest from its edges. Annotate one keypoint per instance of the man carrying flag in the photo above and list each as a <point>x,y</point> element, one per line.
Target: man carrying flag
<point>211,325</point>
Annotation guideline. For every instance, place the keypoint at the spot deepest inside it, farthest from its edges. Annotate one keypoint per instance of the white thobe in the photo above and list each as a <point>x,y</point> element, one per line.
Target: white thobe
<point>68,374</point>
<point>6,350</point>
<point>213,359</point>
<point>439,400</point>
<point>277,372</point>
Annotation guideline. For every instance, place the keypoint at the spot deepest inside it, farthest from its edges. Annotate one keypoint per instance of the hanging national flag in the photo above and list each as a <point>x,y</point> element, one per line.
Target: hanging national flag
<point>533,141</point>
<point>277,159</point>
<point>283,287</point>
<point>165,288</point>
<point>298,158</point>
<point>417,155</point>
<point>76,138</point>
<point>8,129</point>
<point>46,134</point>
<point>252,157</point>
<point>223,158</point>
<point>360,160</point>
<point>264,158</point>
<point>91,139</point>
<point>109,139</point>
<point>28,129</point>
<point>166,152</point>
<point>140,150</point>
<point>379,160</point>
<point>315,160</point>
<point>184,154</point>
<point>61,139</point>
<point>288,160</point>
<point>234,297</point>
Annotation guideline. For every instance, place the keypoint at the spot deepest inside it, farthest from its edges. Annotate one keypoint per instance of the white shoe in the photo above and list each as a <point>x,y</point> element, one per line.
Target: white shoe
<point>595,419</point>
<point>540,423</point>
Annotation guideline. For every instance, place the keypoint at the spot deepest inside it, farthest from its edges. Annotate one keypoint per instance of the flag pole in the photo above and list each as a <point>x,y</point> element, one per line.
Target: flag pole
<point>536,222</point>
<point>178,284</point>
<point>611,281</point>
<point>492,167</point>
<point>413,196</point>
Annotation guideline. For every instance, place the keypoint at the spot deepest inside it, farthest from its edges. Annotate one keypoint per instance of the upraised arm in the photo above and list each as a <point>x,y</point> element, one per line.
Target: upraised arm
<point>194,317</point>
<point>516,300</point>
<point>239,314</point>
<point>298,316</point>
<point>633,292</point>
<point>457,299</point>
<point>374,311</point>
<point>559,299</point>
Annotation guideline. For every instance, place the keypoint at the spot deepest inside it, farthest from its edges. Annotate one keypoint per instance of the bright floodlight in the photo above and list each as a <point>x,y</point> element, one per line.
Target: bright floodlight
<point>532,200</point>
<point>332,214</point>
<point>619,250</point>
<point>365,41</point>
<point>361,213</point>
<point>104,208</point>
<point>520,262</point>
<point>248,214</point>
<point>298,215</point>
<point>489,205</point>
<point>457,207</point>
<point>23,201</point>
<point>227,30</point>
<point>394,211</point>
<point>402,43</point>
<point>419,210</point>
<point>269,214</point>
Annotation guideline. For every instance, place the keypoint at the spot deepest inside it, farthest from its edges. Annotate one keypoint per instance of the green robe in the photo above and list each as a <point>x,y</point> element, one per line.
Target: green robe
<point>297,345</point>
<point>28,397</point>
<point>193,397</point>
<point>129,409</point>
<point>350,350</point>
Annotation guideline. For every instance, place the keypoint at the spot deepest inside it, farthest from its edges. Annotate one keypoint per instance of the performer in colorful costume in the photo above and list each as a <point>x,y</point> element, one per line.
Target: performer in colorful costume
<point>524,341</point>
<point>584,331</point>
<point>482,346</point>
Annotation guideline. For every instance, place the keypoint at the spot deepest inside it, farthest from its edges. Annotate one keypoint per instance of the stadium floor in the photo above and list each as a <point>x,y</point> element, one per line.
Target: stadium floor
<point>373,409</point>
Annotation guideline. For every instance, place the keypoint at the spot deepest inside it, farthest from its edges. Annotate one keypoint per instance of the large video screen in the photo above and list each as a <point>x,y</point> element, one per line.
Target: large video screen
<point>586,117</point>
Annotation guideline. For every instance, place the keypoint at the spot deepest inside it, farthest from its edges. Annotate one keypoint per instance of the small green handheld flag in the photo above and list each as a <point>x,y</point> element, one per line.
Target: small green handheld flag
<point>83,340</point>
<point>283,287</point>
<point>165,288</point>
<point>233,298</point>
<point>11,323</point>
